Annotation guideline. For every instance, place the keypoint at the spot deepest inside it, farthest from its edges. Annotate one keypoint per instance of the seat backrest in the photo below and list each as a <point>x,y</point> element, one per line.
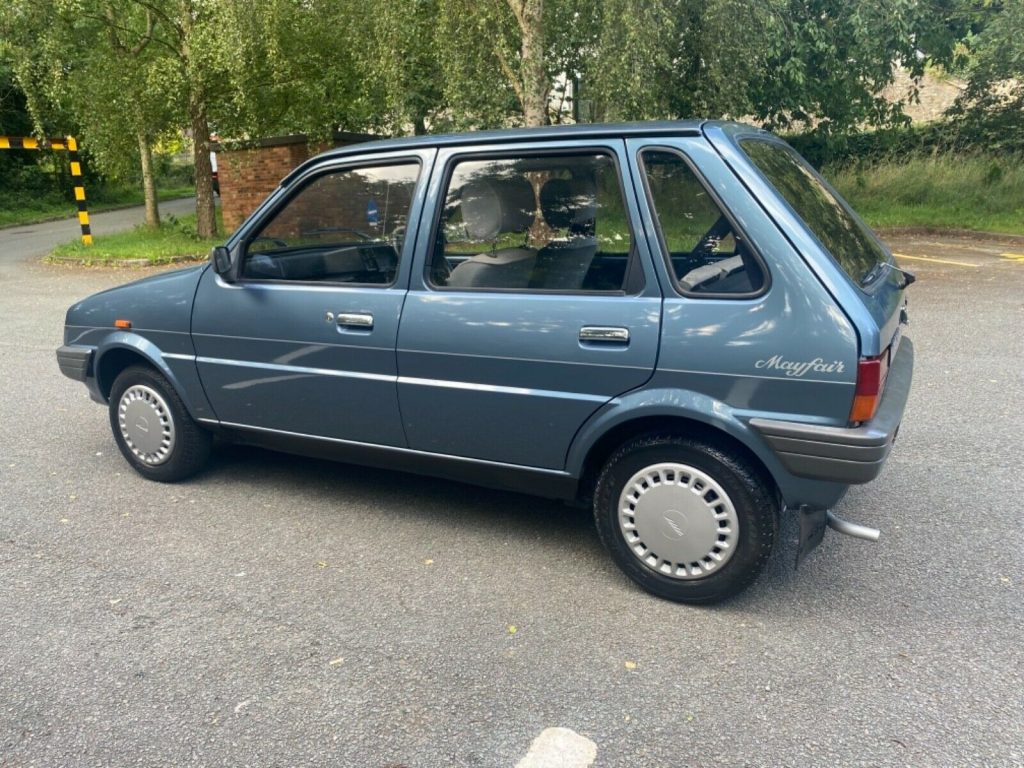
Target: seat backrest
<point>492,207</point>
<point>564,262</point>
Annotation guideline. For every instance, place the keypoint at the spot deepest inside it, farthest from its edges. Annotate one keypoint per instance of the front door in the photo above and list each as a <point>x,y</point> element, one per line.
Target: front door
<point>304,341</point>
<point>532,302</point>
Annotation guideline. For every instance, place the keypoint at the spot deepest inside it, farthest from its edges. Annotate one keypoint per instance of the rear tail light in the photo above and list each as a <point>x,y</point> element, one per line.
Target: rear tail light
<point>871,375</point>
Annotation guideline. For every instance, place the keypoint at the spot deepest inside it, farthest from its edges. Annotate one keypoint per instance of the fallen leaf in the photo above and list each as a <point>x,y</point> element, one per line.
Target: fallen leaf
<point>512,629</point>
<point>630,665</point>
<point>321,564</point>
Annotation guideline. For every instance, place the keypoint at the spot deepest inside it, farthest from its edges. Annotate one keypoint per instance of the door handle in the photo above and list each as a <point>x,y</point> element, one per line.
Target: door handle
<point>357,320</point>
<point>604,334</point>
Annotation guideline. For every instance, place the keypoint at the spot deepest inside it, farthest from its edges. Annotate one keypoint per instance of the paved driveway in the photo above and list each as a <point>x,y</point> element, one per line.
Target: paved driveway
<point>282,611</point>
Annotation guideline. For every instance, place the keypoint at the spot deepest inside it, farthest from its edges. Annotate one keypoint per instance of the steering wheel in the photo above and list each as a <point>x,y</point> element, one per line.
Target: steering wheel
<point>267,239</point>
<point>326,230</point>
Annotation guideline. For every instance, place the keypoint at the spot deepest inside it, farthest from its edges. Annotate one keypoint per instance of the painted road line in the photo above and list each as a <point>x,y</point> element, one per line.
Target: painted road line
<point>1014,256</point>
<point>973,247</point>
<point>933,259</point>
<point>559,748</point>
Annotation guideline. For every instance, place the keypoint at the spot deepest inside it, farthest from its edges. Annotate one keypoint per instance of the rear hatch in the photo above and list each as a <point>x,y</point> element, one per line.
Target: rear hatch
<point>828,233</point>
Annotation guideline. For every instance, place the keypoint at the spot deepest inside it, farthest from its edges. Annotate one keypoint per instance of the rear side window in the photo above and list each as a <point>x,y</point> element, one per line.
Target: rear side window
<point>533,223</point>
<point>708,256</point>
<point>851,244</point>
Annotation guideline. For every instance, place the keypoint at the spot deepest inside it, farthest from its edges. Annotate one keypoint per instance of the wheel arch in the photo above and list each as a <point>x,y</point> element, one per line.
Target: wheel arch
<point>608,430</point>
<point>124,350</point>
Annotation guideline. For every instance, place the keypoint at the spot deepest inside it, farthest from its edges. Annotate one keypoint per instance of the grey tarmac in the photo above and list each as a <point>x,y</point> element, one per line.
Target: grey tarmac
<point>278,611</point>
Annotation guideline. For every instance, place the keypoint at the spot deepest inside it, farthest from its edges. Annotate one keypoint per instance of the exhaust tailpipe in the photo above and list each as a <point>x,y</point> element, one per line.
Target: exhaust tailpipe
<point>856,530</point>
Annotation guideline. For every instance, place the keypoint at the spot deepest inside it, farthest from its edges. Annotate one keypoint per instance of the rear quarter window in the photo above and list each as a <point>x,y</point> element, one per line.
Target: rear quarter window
<point>851,244</point>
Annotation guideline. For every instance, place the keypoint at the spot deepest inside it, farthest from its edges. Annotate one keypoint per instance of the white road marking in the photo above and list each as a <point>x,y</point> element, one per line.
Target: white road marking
<point>937,261</point>
<point>559,748</point>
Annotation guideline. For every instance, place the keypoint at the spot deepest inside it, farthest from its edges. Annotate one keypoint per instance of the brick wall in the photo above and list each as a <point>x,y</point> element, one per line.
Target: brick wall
<point>248,175</point>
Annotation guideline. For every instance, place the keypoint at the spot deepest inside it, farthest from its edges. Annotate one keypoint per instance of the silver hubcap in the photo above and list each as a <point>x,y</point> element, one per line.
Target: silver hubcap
<point>146,424</point>
<point>678,521</point>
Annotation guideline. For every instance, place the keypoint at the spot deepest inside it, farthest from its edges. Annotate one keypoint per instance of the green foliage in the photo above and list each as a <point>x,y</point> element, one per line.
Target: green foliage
<point>978,192</point>
<point>175,240</point>
<point>992,107</point>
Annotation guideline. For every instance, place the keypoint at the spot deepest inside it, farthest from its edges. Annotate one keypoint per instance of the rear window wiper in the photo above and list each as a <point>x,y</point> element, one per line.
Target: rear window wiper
<point>875,271</point>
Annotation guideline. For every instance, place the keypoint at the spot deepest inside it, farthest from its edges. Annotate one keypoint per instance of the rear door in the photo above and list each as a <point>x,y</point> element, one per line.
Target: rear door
<point>532,301</point>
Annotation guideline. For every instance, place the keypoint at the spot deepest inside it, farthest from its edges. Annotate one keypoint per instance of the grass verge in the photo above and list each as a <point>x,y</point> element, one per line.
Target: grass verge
<point>976,192</point>
<point>32,210</point>
<point>176,240</point>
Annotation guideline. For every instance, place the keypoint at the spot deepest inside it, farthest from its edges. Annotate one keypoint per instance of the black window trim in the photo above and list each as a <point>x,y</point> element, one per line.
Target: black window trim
<point>723,209</point>
<point>297,187</point>
<point>633,263</point>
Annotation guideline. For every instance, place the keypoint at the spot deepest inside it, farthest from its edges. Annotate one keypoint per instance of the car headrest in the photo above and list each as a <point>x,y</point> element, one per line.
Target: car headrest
<point>491,207</point>
<point>567,204</point>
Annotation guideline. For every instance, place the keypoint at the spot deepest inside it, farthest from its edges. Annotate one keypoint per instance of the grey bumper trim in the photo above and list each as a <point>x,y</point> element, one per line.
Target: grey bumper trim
<point>841,454</point>
<point>75,361</point>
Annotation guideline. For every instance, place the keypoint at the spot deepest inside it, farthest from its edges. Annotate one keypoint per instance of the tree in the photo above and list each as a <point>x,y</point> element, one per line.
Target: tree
<point>992,106</point>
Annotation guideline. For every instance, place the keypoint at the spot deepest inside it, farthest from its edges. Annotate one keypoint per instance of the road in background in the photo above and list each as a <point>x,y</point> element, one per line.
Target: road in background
<point>284,611</point>
<point>27,240</point>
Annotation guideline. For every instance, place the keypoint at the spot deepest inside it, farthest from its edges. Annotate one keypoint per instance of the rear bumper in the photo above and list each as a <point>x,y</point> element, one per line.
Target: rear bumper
<point>75,361</point>
<point>844,455</point>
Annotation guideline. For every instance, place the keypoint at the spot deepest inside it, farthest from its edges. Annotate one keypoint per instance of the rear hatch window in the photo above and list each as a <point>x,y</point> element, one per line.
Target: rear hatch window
<point>842,234</point>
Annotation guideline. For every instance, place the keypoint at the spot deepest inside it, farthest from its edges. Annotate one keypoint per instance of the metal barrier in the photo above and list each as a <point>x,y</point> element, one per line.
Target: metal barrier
<point>70,145</point>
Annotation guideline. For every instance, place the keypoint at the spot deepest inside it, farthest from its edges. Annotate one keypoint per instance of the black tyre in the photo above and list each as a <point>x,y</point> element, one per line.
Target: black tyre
<point>685,519</point>
<point>153,429</point>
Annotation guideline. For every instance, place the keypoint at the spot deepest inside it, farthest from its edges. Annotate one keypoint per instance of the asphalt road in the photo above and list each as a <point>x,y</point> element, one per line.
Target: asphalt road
<point>278,611</point>
<point>17,243</point>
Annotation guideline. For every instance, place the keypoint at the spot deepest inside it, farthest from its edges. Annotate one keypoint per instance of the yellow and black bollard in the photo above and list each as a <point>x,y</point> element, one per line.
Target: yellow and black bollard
<point>70,145</point>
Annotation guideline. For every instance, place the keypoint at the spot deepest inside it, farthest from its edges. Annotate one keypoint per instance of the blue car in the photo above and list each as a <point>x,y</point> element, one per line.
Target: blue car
<point>679,324</point>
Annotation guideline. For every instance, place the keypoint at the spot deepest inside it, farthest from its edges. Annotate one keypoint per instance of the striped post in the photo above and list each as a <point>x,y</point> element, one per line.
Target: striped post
<point>70,145</point>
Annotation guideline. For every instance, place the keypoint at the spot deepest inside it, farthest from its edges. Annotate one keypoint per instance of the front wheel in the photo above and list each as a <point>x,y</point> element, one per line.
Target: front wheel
<point>153,429</point>
<point>685,519</point>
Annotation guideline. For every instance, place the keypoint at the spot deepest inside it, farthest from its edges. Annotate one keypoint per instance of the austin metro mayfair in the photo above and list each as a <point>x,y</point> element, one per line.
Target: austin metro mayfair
<point>678,324</point>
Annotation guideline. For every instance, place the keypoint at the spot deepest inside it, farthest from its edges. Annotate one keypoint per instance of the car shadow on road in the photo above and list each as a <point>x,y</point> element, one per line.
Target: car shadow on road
<point>534,521</point>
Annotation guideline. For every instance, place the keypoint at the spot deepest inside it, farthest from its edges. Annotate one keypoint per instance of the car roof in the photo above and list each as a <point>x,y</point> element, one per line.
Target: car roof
<point>564,132</point>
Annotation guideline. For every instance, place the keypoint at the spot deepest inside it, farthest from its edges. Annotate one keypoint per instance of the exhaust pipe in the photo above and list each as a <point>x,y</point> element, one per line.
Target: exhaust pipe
<point>856,530</point>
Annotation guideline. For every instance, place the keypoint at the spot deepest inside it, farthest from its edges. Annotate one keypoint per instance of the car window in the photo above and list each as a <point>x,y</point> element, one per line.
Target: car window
<point>346,226</point>
<point>850,243</point>
<point>545,223</point>
<point>706,254</point>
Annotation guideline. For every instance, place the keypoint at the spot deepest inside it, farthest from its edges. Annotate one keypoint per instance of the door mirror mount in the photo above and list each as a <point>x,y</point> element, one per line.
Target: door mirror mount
<point>223,264</point>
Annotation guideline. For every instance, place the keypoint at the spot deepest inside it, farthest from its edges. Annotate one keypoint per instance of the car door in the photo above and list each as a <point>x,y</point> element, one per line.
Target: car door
<point>532,301</point>
<point>304,341</point>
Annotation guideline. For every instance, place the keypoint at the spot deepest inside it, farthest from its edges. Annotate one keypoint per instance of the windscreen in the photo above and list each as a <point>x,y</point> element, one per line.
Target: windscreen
<point>849,241</point>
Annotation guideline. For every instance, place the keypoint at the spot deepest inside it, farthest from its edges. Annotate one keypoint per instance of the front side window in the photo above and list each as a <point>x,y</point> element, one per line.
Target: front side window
<point>708,257</point>
<point>346,226</point>
<point>545,223</point>
<point>849,241</point>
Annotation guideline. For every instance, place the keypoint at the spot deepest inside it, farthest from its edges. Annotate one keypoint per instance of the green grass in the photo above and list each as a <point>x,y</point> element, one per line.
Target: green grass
<point>23,209</point>
<point>176,240</point>
<point>974,192</point>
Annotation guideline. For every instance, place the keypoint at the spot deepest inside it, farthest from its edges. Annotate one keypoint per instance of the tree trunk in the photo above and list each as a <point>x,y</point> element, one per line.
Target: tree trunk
<point>148,181</point>
<point>206,213</point>
<point>534,76</point>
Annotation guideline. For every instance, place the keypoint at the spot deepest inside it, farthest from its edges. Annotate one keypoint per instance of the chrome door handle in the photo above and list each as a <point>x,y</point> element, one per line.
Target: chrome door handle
<point>604,334</point>
<point>363,322</point>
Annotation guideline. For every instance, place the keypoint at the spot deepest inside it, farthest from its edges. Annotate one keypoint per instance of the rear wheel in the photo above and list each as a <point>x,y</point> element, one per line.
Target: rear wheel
<point>685,519</point>
<point>152,428</point>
